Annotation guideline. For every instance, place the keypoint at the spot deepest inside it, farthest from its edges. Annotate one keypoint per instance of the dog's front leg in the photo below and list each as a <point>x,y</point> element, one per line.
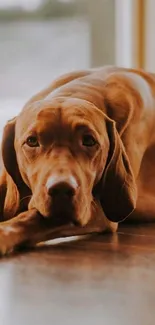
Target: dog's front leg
<point>23,230</point>
<point>30,228</point>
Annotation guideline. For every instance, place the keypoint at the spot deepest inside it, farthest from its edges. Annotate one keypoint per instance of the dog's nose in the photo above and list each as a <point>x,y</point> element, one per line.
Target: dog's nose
<point>61,187</point>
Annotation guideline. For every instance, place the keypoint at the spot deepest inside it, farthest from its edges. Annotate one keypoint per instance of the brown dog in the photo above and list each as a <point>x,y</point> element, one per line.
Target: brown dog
<point>79,157</point>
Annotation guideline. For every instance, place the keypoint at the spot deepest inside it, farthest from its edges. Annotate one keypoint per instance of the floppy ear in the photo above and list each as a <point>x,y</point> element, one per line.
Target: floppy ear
<point>12,187</point>
<point>3,190</point>
<point>117,188</point>
<point>119,102</point>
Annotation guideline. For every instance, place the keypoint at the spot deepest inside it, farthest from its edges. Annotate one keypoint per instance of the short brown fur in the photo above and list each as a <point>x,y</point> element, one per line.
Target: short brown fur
<point>115,177</point>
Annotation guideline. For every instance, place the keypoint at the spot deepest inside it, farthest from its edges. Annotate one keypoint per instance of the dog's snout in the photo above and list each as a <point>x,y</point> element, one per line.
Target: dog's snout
<point>61,186</point>
<point>62,189</point>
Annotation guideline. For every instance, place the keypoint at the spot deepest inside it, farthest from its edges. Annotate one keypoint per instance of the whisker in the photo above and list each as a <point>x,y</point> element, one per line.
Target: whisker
<point>94,203</point>
<point>25,197</point>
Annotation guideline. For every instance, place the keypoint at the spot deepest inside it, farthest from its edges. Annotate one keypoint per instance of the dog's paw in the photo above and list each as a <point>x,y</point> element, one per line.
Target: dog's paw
<point>7,240</point>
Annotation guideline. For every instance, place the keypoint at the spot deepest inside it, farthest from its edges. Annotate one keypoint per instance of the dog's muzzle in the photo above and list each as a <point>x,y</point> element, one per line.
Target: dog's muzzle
<point>62,191</point>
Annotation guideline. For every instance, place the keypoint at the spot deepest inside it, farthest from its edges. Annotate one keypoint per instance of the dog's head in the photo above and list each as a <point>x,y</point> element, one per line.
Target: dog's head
<point>68,154</point>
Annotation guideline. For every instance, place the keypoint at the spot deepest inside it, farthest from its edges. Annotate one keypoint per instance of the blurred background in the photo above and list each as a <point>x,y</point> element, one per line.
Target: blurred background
<point>41,39</point>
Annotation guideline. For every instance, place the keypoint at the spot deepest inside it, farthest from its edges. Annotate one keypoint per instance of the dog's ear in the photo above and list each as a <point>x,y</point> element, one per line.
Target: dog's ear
<point>117,187</point>
<point>12,186</point>
<point>9,154</point>
<point>119,102</point>
<point>3,191</point>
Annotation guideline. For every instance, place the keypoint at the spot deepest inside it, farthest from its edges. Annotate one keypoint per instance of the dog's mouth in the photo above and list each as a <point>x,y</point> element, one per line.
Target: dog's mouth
<point>59,210</point>
<point>62,212</point>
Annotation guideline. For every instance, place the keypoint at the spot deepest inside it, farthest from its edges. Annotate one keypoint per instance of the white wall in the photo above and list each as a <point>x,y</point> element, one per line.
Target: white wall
<point>149,52</point>
<point>126,33</point>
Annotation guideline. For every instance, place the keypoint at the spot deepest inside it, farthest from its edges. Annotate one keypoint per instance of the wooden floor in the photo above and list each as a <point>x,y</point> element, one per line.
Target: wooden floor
<point>102,280</point>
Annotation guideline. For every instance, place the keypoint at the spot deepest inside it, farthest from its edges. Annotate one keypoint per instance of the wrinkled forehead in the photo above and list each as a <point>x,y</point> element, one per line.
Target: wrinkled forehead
<point>58,115</point>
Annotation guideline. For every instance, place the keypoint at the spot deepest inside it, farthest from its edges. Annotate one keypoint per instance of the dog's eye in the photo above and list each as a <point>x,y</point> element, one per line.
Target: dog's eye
<point>32,141</point>
<point>88,140</point>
